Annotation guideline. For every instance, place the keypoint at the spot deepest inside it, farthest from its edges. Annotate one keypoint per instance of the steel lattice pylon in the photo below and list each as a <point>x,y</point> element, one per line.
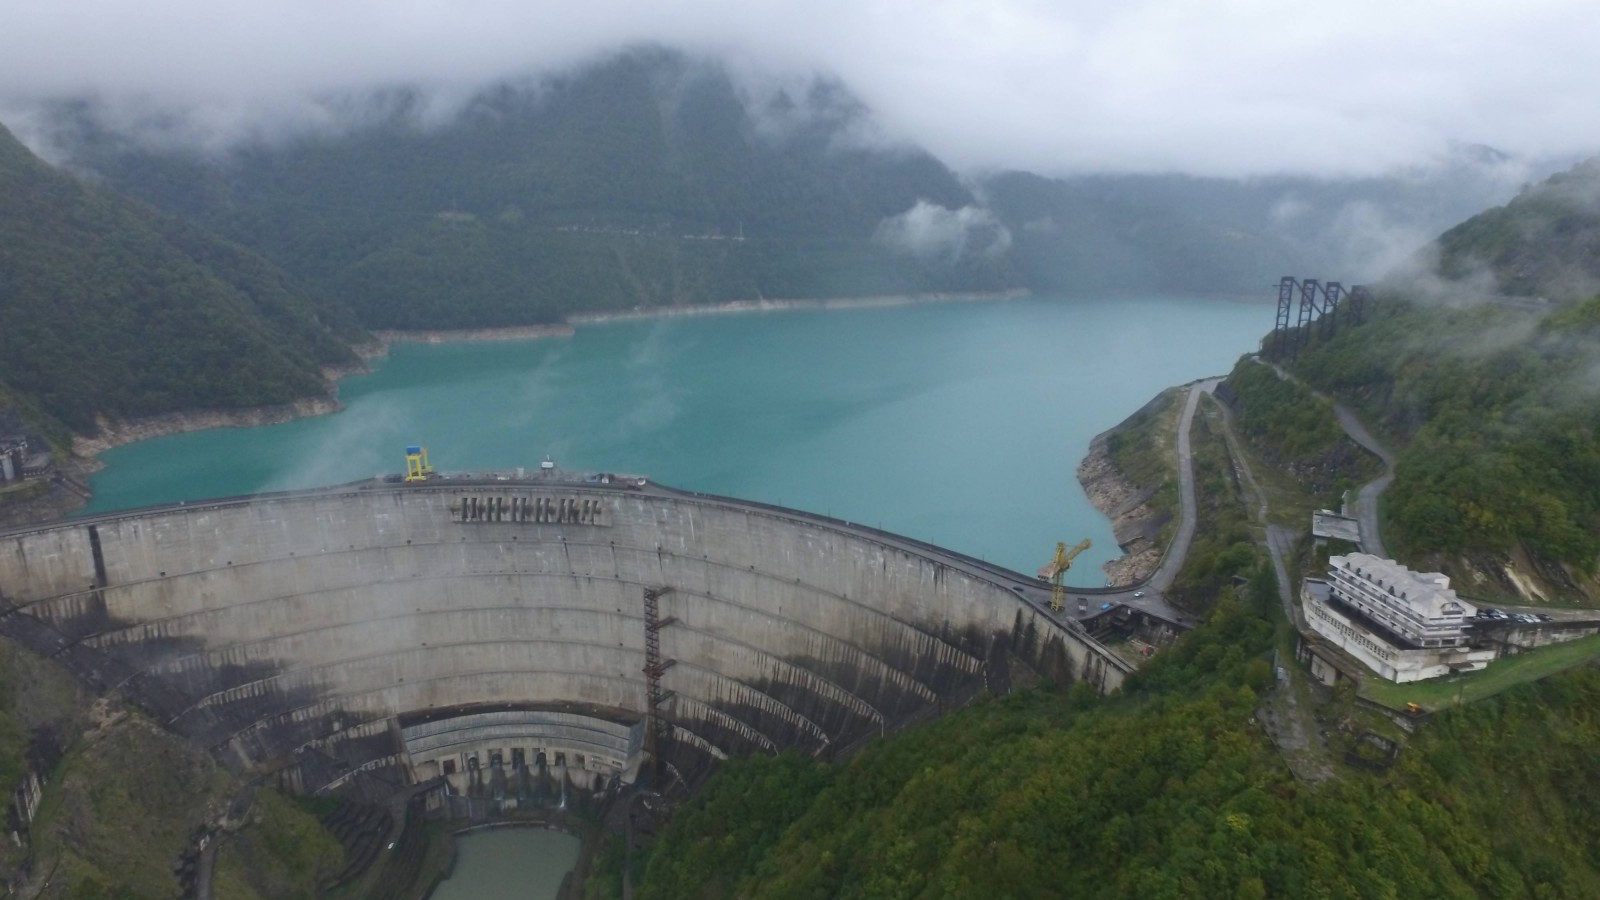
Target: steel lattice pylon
<point>1287,287</point>
<point>1331,293</point>
<point>1318,307</point>
<point>1309,310</point>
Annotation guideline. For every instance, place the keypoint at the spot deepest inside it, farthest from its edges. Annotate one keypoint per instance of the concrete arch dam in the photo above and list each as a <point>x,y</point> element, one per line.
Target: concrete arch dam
<point>436,629</point>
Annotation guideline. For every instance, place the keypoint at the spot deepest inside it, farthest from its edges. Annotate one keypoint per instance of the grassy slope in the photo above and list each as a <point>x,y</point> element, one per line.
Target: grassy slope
<point>286,854</point>
<point>123,799</point>
<point>1506,673</point>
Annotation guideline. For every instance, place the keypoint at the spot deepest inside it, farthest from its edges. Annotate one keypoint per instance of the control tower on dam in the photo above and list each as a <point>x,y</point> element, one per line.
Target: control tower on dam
<point>475,629</point>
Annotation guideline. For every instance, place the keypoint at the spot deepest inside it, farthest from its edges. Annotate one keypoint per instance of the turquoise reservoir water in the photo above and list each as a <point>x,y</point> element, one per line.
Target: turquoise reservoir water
<point>509,864</point>
<point>957,423</point>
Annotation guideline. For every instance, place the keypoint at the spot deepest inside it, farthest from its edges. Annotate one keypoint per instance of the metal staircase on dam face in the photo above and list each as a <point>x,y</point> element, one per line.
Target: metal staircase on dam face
<point>654,667</point>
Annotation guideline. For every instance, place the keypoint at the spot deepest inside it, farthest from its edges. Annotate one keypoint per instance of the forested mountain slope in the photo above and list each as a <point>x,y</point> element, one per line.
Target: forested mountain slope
<point>1494,410</point>
<point>1119,235</point>
<point>651,178</point>
<point>642,180</point>
<point>111,309</point>
<point>1492,402</point>
<point>1169,791</point>
<point>1545,242</point>
<point>646,179</point>
<point>1194,235</point>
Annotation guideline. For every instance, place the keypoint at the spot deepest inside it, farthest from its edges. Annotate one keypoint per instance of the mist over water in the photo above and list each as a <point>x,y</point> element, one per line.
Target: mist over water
<point>957,423</point>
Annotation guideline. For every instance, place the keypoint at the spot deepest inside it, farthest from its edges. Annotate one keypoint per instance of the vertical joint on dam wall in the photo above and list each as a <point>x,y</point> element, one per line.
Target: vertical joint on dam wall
<point>97,556</point>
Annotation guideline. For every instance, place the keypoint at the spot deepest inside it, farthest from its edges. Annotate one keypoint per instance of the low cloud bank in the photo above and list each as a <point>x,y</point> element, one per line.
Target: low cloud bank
<point>934,233</point>
<point>1198,86</point>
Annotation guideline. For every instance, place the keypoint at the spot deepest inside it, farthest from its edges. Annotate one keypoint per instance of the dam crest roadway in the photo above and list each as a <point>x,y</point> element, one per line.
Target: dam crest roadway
<point>474,628</point>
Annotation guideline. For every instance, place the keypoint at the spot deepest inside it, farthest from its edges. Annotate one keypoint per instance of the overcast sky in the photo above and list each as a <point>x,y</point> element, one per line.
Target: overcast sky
<point>1226,87</point>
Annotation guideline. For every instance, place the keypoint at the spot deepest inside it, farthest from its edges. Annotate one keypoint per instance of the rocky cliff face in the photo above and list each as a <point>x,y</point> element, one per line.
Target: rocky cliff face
<point>115,434</point>
<point>1134,522</point>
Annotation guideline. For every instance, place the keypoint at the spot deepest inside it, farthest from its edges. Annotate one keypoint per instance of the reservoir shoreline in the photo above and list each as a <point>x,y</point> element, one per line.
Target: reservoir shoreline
<point>117,433</point>
<point>60,501</point>
<point>1127,508</point>
<point>947,422</point>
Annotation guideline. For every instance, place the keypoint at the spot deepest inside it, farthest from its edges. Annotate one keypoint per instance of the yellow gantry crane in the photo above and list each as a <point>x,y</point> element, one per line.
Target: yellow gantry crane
<point>417,467</point>
<point>1055,570</point>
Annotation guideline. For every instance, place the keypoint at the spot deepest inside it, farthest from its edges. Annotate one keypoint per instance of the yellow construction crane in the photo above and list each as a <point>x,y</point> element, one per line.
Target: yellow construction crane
<point>417,467</point>
<point>1055,570</point>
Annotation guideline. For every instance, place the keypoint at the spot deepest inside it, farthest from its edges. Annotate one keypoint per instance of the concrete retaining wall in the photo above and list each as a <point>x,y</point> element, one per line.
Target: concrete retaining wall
<point>272,627</point>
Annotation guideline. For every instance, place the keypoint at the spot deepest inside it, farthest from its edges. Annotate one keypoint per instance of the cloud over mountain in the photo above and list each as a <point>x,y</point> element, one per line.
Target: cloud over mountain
<point>1202,86</point>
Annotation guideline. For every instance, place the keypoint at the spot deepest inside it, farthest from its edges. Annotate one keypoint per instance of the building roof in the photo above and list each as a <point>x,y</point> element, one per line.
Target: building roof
<point>1427,593</point>
<point>1326,523</point>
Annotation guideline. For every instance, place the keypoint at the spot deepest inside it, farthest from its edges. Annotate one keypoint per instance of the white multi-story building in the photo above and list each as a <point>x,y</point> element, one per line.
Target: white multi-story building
<point>1404,625</point>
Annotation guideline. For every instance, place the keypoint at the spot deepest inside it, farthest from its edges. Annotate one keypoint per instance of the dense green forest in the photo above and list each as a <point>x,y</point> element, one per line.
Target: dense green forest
<point>1171,789</point>
<point>1489,400</point>
<point>1545,242</point>
<point>113,309</point>
<point>652,178</point>
<point>1493,410</point>
<point>1168,790</point>
<point>641,180</point>
<point>1295,431</point>
<point>1281,415</point>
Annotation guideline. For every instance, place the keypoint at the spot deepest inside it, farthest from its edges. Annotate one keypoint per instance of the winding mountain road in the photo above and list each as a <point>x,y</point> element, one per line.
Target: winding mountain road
<point>1178,551</point>
<point>1367,498</point>
<point>1366,504</point>
<point>1278,539</point>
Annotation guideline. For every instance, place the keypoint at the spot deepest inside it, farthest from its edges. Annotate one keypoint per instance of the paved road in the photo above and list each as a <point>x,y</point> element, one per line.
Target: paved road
<point>1280,544</point>
<point>1367,498</point>
<point>1178,551</point>
<point>202,878</point>
<point>1279,540</point>
<point>1149,597</point>
<point>1285,714</point>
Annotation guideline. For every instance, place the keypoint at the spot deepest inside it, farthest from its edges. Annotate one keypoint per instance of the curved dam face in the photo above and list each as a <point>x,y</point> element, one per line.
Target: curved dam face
<point>456,628</point>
